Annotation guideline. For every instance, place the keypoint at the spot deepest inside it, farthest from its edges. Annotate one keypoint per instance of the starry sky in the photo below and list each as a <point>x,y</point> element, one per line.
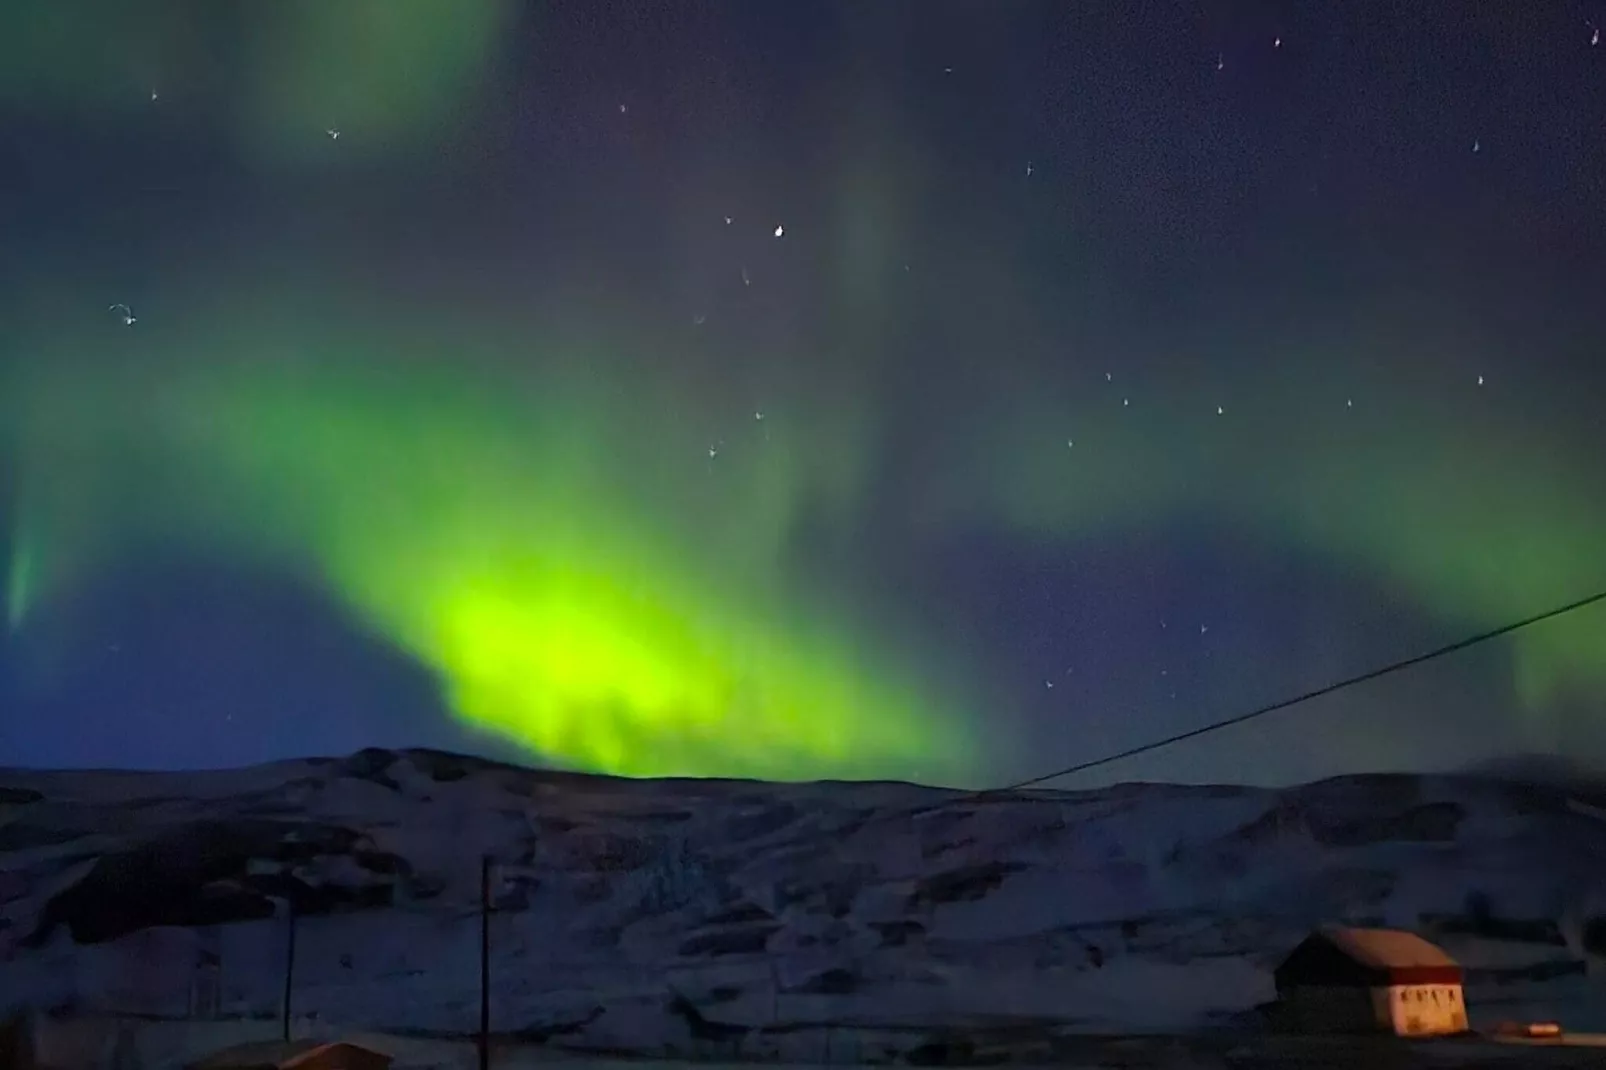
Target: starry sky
<point>943,391</point>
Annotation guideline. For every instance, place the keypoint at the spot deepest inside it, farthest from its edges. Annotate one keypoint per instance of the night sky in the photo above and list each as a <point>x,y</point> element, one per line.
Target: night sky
<point>947,391</point>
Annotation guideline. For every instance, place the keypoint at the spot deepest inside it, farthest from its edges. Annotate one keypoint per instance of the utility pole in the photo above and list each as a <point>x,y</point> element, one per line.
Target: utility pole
<point>485,962</point>
<point>289,965</point>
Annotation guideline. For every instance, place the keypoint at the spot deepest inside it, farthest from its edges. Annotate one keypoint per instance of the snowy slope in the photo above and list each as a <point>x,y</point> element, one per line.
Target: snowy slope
<point>657,916</point>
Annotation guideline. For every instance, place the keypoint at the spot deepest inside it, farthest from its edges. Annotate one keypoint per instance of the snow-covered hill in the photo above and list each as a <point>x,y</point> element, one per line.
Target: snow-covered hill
<point>671,916</point>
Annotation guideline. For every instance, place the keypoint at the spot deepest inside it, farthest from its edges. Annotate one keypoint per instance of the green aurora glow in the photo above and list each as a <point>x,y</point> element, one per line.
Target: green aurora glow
<point>1483,524</point>
<point>558,547</point>
<point>586,581</point>
<point>386,73</point>
<point>577,587</point>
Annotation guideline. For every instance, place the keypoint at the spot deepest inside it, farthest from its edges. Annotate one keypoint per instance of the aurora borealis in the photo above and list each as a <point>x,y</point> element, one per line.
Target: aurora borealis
<point>560,578</point>
<point>1107,376</point>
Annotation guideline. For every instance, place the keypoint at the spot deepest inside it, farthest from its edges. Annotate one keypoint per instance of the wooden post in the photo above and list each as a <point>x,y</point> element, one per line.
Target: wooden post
<point>485,962</point>
<point>289,965</point>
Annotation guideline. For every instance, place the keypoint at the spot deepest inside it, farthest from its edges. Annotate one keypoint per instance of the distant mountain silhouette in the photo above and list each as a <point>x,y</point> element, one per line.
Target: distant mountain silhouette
<point>1550,770</point>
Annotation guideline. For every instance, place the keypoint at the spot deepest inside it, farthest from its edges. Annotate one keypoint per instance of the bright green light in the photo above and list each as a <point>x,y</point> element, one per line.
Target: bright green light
<point>614,599</point>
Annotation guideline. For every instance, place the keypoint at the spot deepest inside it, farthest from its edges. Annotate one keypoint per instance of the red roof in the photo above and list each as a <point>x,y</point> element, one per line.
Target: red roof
<point>1388,949</point>
<point>1345,956</point>
<point>285,1055</point>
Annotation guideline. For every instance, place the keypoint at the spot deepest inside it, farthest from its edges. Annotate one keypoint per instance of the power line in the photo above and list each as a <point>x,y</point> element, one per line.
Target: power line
<point>1230,722</point>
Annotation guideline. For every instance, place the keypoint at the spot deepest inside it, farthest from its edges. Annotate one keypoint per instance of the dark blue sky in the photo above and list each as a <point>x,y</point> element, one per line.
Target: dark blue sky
<point>1372,235</point>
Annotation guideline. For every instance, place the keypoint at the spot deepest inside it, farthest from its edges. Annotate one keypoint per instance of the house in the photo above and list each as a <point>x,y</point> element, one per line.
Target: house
<point>1371,980</point>
<point>295,1055</point>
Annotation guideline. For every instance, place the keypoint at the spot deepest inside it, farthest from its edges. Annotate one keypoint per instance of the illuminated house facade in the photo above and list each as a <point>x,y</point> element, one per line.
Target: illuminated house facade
<point>1342,980</point>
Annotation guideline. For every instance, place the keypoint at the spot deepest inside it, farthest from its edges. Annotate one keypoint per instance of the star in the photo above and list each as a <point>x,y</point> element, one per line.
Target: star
<point>1028,169</point>
<point>1220,411</point>
<point>1477,146</point>
<point>780,231</point>
<point>1480,380</point>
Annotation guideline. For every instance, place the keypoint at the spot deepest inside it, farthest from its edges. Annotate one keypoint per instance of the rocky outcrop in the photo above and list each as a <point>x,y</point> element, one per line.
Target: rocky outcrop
<point>217,872</point>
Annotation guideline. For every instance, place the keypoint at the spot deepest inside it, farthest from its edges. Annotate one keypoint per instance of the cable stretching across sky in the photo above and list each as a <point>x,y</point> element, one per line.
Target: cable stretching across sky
<point>1276,707</point>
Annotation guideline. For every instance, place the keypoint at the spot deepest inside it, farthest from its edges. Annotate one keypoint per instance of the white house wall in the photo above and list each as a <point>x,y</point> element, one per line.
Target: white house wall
<point>1422,1010</point>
